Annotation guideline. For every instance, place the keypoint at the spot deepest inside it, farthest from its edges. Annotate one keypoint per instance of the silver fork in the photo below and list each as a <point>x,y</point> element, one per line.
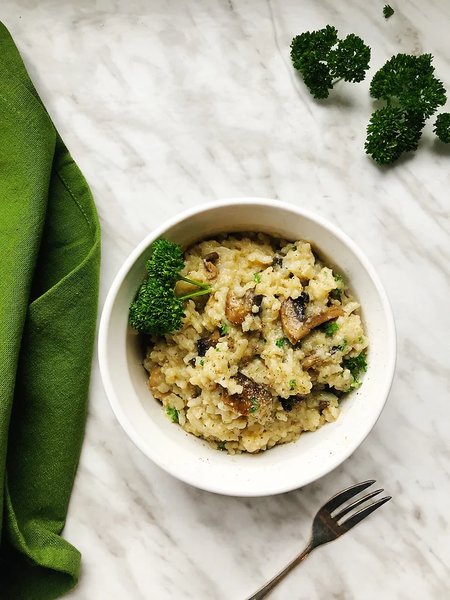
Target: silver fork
<point>328,527</point>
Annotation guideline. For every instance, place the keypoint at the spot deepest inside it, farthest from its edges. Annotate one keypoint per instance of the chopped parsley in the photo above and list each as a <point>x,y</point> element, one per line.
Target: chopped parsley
<point>338,277</point>
<point>173,413</point>
<point>342,346</point>
<point>255,404</point>
<point>223,329</point>
<point>292,384</point>
<point>360,340</point>
<point>217,349</point>
<point>257,277</point>
<point>202,362</point>
<point>221,445</point>
<point>356,366</point>
<point>388,11</point>
<point>336,294</point>
<point>294,247</point>
<point>280,342</point>
<point>265,341</point>
<point>330,329</point>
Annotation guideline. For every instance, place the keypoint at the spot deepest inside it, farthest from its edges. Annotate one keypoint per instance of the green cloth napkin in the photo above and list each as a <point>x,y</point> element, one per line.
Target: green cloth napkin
<point>49,278</point>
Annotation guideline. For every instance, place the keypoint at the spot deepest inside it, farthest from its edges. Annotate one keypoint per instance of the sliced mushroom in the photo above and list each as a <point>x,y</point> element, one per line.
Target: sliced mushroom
<point>333,312</point>
<point>211,257</point>
<point>236,309</point>
<point>296,326</point>
<point>253,398</point>
<point>205,343</point>
<point>289,403</point>
<point>293,316</point>
<point>211,269</point>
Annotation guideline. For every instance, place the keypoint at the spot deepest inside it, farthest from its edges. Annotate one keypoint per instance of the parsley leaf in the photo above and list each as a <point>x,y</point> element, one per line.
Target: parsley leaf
<point>388,11</point>
<point>173,413</point>
<point>330,329</point>
<point>292,384</point>
<point>356,366</point>
<point>257,277</point>
<point>255,406</point>
<point>342,346</point>
<point>336,294</point>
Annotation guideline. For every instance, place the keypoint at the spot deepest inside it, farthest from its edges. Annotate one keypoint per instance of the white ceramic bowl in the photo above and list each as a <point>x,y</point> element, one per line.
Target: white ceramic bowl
<point>281,468</point>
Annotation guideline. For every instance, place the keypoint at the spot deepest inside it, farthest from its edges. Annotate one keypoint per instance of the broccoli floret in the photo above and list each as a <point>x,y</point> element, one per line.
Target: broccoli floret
<point>388,11</point>
<point>156,309</point>
<point>442,127</point>
<point>322,64</point>
<point>412,94</point>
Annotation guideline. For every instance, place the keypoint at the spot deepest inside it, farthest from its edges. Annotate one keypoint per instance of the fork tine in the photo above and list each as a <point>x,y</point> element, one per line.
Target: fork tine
<point>336,501</point>
<point>355,504</point>
<point>362,514</point>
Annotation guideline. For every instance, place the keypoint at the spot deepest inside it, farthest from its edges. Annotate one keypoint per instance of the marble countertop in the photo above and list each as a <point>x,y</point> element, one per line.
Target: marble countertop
<point>166,104</point>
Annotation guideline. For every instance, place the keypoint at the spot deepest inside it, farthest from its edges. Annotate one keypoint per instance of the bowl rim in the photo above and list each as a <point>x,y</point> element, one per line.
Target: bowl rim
<point>391,347</point>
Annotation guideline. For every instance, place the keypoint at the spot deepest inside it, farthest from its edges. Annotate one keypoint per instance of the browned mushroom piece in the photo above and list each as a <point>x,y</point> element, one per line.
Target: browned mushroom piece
<point>205,343</point>
<point>211,269</point>
<point>294,323</point>
<point>252,399</point>
<point>211,257</point>
<point>236,309</point>
<point>293,316</point>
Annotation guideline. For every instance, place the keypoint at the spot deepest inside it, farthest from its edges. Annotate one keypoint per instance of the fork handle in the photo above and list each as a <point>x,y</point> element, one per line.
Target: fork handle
<point>272,584</point>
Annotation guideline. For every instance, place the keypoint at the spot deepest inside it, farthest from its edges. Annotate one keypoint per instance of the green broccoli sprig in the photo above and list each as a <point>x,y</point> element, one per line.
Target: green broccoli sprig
<point>388,11</point>
<point>442,127</point>
<point>323,59</point>
<point>412,94</point>
<point>156,309</point>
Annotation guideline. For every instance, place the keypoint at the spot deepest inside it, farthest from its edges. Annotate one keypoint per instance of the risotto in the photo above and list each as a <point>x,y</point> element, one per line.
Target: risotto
<point>267,354</point>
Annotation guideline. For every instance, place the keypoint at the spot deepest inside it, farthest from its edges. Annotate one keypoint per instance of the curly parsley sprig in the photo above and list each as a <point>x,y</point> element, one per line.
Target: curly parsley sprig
<point>323,59</point>
<point>412,93</point>
<point>156,309</point>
